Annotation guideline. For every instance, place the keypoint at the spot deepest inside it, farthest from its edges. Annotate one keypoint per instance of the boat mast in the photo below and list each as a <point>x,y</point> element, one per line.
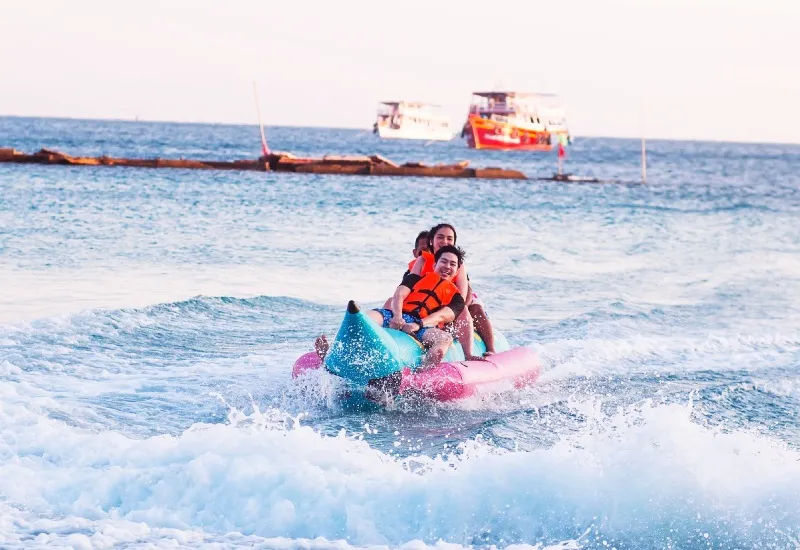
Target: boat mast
<point>644,162</point>
<point>643,120</point>
<point>264,148</point>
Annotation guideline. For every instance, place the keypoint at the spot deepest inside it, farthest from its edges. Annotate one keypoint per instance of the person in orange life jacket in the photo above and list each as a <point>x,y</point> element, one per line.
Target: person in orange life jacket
<point>420,246</point>
<point>476,313</point>
<point>444,234</point>
<point>423,304</point>
<point>321,344</point>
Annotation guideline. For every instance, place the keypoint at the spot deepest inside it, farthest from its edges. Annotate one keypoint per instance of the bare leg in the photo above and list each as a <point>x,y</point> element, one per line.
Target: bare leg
<point>483,326</point>
<point>464,329</point>
<point>436,341</point>
<point>321,346</point>
<point>375,316</point>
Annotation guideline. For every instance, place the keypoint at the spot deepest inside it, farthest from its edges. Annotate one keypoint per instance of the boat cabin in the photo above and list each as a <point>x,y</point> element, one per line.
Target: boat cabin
<point>533,111</point>
<point>395,114</point>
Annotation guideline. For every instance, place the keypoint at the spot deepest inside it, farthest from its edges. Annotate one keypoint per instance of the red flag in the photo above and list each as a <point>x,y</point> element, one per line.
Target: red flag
<point>561,151</point>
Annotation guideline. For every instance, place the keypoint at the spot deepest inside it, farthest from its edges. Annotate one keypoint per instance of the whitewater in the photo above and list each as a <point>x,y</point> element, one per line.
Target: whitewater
<point>149,320</point>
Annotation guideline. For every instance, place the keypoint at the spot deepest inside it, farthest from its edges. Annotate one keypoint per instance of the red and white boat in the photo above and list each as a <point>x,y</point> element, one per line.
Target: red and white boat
<point>514,120</point>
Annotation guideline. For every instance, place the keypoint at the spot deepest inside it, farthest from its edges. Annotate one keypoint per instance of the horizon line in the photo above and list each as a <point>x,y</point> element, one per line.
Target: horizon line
<point>267,126</point>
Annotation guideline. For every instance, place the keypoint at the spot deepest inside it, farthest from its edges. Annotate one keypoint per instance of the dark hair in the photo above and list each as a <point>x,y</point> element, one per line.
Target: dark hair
<point>460,254</point>
<point>422,235</point>
<point>437,227</point>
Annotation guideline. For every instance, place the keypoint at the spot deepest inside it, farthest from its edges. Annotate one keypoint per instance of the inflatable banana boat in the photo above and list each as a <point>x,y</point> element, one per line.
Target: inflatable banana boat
<point>364,353</point>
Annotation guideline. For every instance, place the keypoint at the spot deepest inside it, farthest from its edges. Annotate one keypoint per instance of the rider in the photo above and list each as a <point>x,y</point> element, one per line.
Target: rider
<point>420,246</point>
<point>444,234</point>
<point>423,304</point>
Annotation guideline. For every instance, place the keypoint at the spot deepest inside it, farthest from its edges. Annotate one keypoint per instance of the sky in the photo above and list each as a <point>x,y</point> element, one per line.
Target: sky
<point>723,70</point>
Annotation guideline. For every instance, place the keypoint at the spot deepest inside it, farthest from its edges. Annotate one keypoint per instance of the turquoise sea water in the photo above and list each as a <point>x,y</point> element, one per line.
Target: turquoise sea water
<point>149,320</point>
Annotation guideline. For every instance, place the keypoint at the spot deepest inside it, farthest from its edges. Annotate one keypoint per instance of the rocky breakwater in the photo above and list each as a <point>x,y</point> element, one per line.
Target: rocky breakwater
<point>373,165</point>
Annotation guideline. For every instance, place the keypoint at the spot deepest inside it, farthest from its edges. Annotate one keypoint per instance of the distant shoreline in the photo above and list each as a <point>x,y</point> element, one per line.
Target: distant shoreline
<point>368,127</point>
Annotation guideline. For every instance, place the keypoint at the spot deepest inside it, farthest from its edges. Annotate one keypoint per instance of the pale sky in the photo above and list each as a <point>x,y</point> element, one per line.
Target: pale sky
<point>692,69</point>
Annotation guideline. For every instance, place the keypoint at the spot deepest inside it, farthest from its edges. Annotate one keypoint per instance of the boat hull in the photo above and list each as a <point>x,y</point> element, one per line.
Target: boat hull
<point>482,133</point>
<point>412,132</point>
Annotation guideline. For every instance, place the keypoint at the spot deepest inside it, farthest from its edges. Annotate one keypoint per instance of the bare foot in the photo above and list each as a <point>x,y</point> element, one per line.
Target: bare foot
<point>474,358</point>
<point>488,353</point>
<point>321,346</point>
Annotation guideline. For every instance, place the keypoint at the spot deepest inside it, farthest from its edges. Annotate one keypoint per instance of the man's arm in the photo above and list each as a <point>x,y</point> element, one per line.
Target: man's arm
<point>416,269</point>
<point>444,315</point>
<point>461,281</point>
<point>447,314</point>
<point>398,298</point>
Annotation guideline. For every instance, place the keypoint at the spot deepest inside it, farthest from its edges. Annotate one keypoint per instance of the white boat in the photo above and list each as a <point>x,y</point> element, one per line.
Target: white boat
<point>412,120</point>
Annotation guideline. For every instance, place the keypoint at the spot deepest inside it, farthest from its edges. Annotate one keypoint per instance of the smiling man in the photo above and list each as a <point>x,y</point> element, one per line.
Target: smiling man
<point>422,305</point>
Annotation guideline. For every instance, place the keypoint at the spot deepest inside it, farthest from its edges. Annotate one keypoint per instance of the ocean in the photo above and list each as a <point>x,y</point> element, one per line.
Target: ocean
<point>149,320</point>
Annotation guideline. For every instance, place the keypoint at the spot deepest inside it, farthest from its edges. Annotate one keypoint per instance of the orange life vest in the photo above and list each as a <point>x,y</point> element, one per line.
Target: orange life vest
<point>430,261</point>
<point>431,293</point>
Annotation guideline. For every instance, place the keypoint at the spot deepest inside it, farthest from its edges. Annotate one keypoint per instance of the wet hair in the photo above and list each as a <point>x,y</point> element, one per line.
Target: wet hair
<point>422,235</point>
<point>460,254</point>
<point>435,229</point>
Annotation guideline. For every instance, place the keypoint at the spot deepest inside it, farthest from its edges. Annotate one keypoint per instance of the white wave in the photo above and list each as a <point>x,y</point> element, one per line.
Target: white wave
<point>607,356</point>
<point>647,474</point>
<point>56,293</point>
<point>78,533</point>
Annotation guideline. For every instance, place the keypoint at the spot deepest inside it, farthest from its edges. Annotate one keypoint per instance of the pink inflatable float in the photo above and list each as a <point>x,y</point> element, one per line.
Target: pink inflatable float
<point>514,368</point>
